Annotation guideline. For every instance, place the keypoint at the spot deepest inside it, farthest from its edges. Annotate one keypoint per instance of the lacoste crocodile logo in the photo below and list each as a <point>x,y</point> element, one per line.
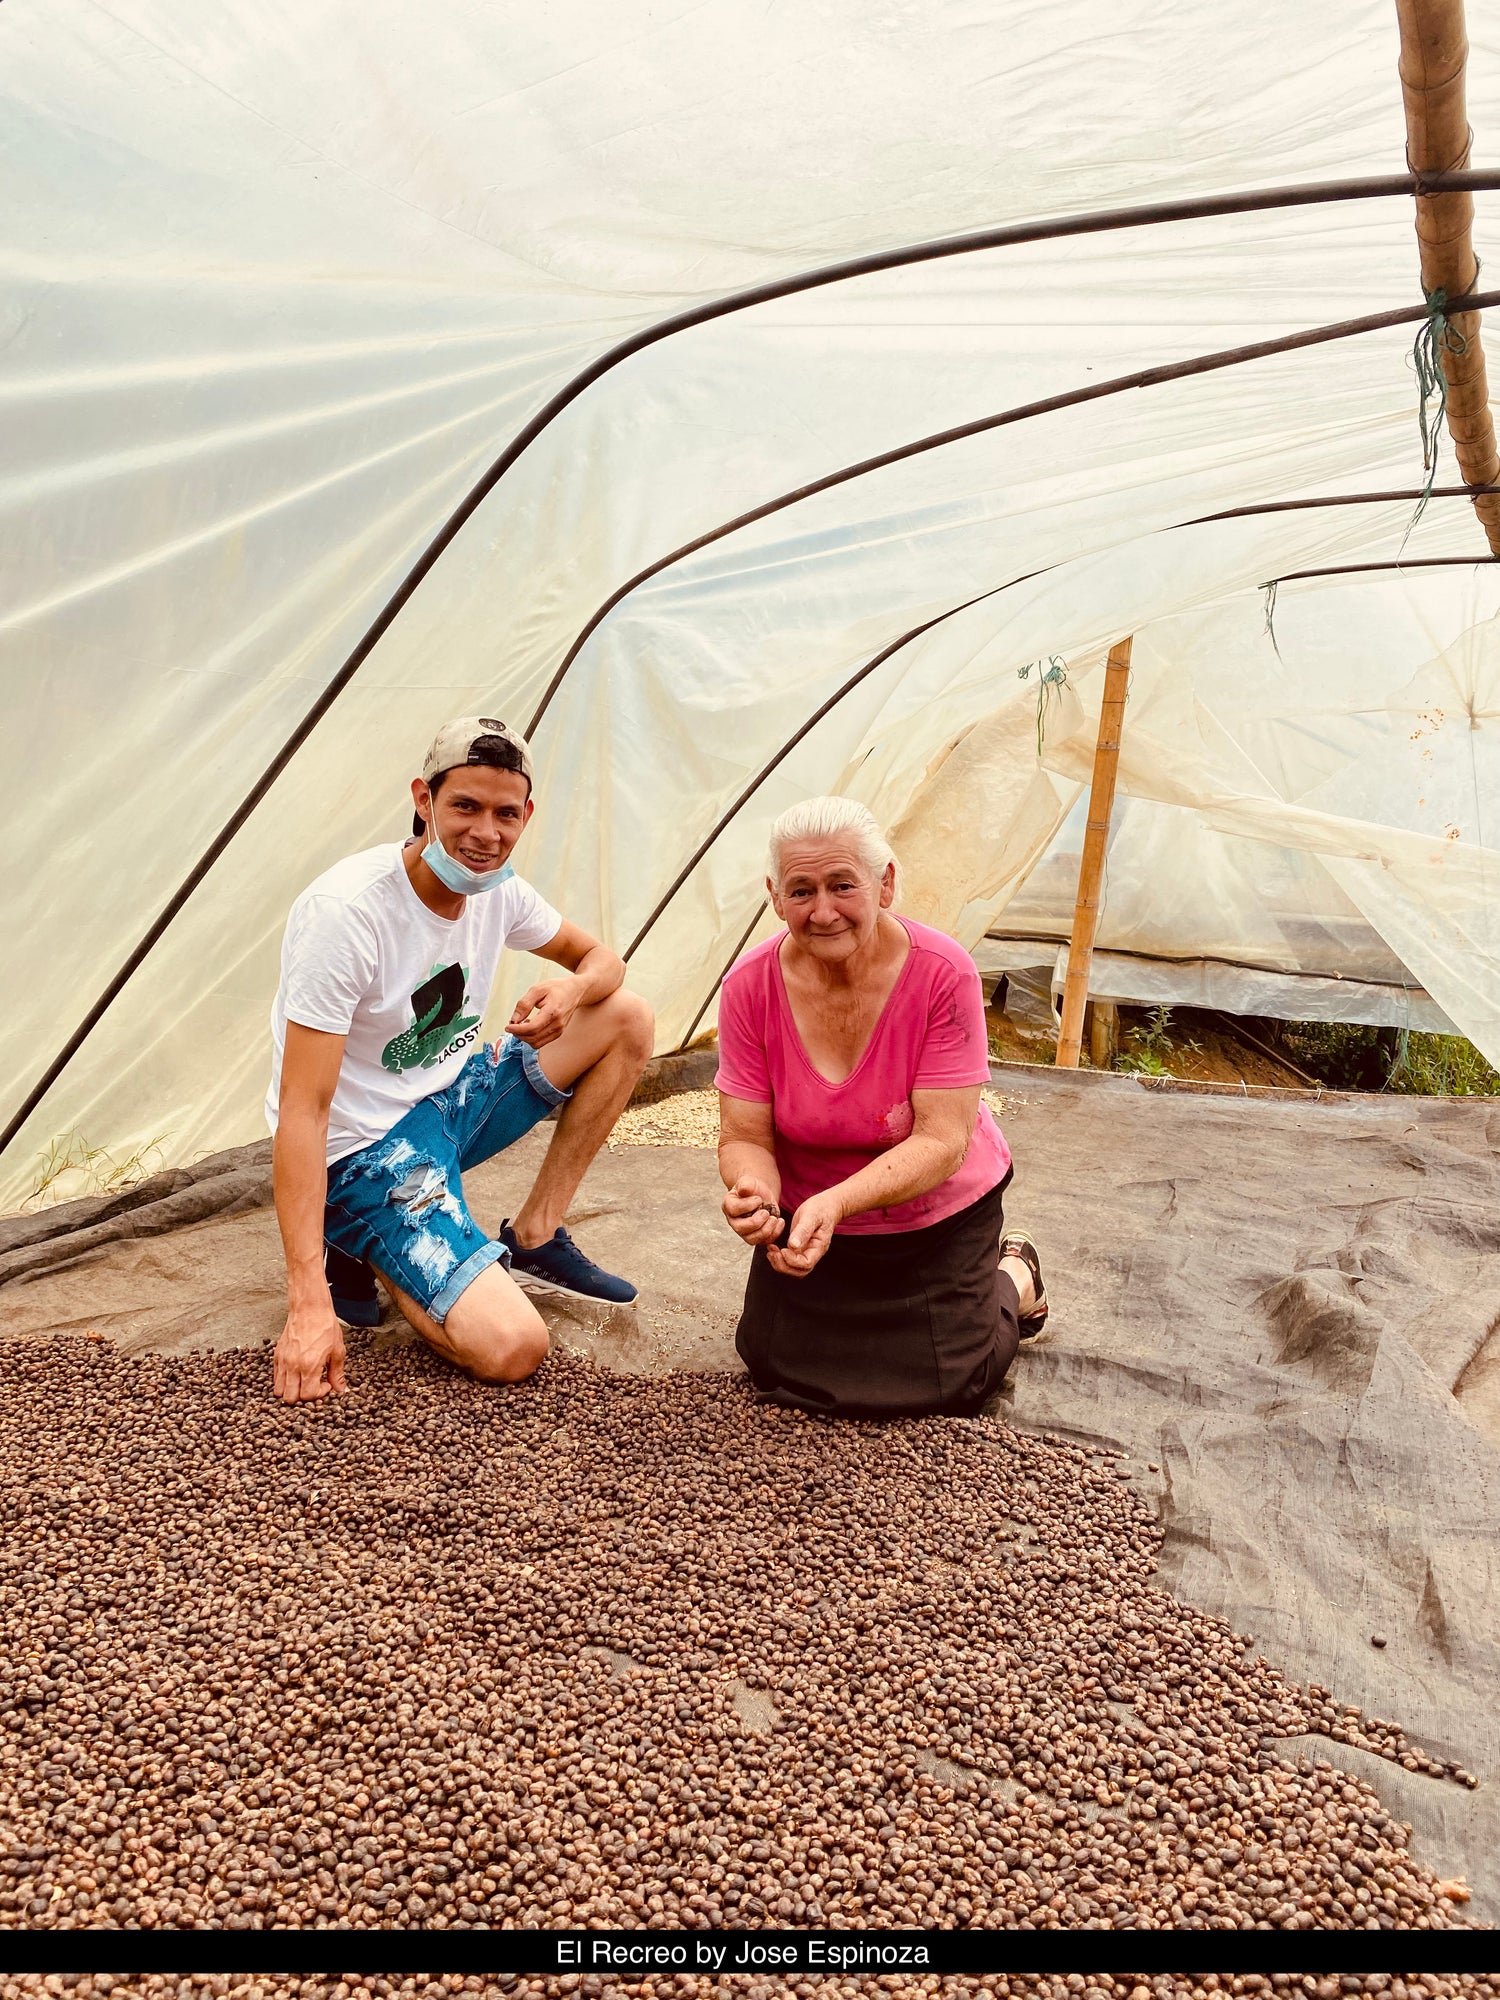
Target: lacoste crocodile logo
<point>437,1019</point>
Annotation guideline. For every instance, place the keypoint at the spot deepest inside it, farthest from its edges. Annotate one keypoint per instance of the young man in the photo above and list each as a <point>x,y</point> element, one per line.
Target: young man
<point>382,1093</point>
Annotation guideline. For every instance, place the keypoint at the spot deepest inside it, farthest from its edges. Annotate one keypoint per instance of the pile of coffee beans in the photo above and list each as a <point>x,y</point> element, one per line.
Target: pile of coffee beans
<point>610,1650</point>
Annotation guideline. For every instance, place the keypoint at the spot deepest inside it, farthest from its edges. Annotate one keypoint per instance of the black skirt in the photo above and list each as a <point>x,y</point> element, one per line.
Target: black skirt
<point>914,1323</point>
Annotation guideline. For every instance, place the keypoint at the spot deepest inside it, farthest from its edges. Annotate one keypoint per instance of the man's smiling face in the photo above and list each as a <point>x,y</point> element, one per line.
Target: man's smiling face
<point>480,813</point>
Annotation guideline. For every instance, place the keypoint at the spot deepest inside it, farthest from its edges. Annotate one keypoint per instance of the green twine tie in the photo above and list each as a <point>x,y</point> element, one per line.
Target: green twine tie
<point>1270,590</point>
<point>1436,334</point>
<point>1053,676</point>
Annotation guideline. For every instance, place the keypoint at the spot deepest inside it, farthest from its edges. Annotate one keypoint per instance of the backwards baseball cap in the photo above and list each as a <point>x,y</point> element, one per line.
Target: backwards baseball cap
<point>462,742</point>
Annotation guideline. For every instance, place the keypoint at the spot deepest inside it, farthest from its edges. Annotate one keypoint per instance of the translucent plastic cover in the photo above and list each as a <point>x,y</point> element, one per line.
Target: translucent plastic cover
<point>279,284</point>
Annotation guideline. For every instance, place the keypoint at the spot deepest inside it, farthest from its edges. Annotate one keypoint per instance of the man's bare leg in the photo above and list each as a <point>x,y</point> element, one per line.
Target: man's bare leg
<point>599,1056</point>
<point>492,1329</point>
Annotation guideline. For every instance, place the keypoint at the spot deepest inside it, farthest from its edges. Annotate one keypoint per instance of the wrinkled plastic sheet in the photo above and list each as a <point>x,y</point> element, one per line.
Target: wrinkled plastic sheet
<point>1241,989</point>
<point>1290,1307</point>
<point>1125,979</point>
<point>51,1239</point>
<point>275,298</point>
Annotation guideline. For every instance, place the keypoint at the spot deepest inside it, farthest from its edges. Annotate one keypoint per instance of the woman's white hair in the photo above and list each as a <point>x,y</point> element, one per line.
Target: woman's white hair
<point>821,819</point>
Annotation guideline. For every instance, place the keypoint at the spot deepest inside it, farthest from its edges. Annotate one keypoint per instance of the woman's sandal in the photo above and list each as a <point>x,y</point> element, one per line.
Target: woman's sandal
<point>1016,1243</point>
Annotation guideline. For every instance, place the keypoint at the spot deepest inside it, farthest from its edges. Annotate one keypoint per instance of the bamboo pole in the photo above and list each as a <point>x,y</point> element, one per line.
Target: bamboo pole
<point>1434,58</point>
<point>1091,868</point>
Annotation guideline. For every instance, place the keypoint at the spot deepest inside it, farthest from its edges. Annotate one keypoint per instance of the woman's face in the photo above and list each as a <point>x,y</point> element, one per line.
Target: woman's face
<point>828,899</point>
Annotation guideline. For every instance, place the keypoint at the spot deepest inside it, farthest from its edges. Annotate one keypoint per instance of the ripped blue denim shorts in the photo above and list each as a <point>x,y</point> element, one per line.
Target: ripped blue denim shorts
<point>399,1202</point>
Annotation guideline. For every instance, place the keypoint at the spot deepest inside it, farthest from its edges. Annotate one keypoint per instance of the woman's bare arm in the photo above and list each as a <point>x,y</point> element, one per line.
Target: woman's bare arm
<point>747,1167</point>
<point>943,1124</point>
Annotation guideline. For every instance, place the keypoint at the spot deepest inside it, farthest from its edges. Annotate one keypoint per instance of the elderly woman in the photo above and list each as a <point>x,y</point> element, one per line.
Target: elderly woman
<point>858,1158</point>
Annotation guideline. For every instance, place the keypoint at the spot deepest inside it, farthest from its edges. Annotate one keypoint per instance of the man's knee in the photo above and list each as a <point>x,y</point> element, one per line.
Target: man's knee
<point>511,1356</point>
<point>510,1353</point>
<point>633,1021</point>
<point>497,1339</point>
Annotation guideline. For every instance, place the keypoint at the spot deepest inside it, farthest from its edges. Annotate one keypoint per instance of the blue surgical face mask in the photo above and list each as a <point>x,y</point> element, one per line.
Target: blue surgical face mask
<point>453,875</point>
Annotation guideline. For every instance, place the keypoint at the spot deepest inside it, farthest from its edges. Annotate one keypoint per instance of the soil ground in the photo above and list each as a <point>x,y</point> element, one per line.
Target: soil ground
<point>1197,1046</point>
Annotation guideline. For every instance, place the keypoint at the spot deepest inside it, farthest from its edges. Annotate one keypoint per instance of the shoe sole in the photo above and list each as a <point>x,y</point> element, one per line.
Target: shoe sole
<point>529,1283</point>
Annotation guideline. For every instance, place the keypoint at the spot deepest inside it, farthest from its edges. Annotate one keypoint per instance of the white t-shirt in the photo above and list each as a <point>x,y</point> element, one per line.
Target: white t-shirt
<point>364,957</point>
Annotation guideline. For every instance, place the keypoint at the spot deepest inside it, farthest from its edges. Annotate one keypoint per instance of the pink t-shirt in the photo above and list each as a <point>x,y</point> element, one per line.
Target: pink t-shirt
<point>930,1036</point>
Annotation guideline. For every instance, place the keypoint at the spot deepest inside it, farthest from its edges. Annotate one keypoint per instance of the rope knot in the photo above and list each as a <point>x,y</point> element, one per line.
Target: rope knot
<point>1436,336</point>
<point>1052,679</point>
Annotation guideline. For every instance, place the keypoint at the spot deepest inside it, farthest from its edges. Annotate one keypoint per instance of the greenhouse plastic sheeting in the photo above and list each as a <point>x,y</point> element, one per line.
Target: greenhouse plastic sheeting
<point>1119,978</point>
<point>1203,982</point>
<point>1271,907</point>
<point>1382,738</point>
<point>279,285</point>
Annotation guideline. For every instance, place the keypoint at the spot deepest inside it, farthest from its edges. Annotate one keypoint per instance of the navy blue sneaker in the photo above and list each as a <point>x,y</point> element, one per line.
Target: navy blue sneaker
<point>558,1265</point>
<point>352,1283</point>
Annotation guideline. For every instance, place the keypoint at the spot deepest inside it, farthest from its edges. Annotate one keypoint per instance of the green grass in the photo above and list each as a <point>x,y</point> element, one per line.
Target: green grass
<point>1152,1045</point>
<point>99,1171</point>
<point>1347,1056</point>
<point>1340,1055</point>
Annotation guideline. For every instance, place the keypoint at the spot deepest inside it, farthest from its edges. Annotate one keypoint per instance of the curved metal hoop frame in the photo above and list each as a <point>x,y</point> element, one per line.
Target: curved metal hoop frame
<point>732,812</point>
<point>1311,194</point>
<point>1142,378</point>
<point>916,632</point>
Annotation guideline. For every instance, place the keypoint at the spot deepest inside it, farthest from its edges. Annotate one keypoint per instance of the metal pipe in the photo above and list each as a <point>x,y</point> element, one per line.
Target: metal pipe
<point>1371,499</point>
<point>861,674</point>
<point>1142,379</point>
<point>1411,562</point>
<point>708,1000</point>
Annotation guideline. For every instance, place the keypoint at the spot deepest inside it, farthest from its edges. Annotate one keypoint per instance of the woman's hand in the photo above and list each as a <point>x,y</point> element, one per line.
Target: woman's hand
<point>751,1210</point>
<point>809,1236</point>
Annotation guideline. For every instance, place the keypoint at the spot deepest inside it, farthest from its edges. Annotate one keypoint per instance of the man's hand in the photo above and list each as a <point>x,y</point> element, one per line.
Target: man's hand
<point>809,1236</point>
<point>543,1011</point>
<point>309,1360</point>
<point>750,1209</point>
